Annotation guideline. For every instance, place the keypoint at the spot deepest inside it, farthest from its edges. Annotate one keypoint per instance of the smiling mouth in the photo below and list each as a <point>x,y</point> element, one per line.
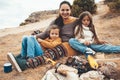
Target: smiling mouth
<point>65,15</point>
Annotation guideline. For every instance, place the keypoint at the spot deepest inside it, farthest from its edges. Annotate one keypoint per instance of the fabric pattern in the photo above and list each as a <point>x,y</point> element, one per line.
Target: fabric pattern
<point>53,54</point>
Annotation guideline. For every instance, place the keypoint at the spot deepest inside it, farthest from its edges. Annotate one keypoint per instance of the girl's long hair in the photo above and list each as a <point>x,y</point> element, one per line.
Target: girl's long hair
<point>59,19</point>
<point>91,26</point>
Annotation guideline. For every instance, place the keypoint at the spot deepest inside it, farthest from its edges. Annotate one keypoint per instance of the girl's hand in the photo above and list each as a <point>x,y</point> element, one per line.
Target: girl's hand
<point>87,43</point>
<point>103,42</point>
<point>39,40</point>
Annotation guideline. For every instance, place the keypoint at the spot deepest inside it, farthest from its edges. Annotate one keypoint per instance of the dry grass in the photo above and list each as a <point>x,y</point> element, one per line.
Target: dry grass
<point>107,29</point>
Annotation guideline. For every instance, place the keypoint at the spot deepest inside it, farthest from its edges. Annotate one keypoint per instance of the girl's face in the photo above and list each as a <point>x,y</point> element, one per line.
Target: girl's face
<point>65,11</point>
<point>86,21</point>
<point>54,33</point>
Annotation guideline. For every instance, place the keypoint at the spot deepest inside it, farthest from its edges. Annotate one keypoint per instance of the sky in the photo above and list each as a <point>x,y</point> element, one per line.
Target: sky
<point>13,12</point>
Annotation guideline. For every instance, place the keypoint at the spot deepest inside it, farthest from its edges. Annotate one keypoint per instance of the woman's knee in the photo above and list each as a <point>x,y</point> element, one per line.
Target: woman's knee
<point>31,38</point>
<point>24,38</point>
<point>28,39</point>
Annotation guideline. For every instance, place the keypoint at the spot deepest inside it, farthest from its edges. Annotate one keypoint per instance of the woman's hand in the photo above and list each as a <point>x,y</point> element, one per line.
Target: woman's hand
<point>40,40</point>
<point>87,43</point>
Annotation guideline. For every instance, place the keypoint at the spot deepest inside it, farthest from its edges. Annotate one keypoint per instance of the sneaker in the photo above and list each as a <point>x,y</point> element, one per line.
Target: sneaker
<point>17,63</point>
<point>90,51</point>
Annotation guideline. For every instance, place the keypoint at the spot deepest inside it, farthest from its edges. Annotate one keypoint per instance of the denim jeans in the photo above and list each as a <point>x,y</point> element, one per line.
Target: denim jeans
<point>30,47</point>
<point>106,48</point>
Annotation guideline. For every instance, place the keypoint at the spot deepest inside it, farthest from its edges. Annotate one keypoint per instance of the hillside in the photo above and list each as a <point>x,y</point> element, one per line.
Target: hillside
<point>10,41</point>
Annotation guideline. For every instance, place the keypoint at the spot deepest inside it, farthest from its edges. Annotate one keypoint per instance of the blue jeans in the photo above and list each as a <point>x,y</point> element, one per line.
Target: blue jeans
<point>30,47</point>
<point>106,48</point>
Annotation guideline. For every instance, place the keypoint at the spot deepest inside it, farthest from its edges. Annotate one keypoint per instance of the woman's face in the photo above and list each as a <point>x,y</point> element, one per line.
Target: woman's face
<point>65,11</point>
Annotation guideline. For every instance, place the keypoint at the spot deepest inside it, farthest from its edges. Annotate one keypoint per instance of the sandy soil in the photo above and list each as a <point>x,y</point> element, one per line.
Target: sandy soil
<point>10,41</point>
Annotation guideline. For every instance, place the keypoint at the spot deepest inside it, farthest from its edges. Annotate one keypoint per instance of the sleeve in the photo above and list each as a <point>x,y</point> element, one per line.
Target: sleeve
<point>45,34</point>
<point>78,36</point>
<point>52,44</point>
<point>81,40</point>
<point>75,30</point>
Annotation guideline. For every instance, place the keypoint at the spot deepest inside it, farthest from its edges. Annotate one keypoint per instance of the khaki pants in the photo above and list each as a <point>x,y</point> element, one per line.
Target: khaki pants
<point>69,49</point>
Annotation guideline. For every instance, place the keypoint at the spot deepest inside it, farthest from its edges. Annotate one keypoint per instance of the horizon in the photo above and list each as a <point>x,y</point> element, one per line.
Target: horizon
<point>16,11</point>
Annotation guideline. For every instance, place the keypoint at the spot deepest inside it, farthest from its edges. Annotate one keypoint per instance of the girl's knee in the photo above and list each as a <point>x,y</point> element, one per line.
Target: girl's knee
<point>71,41</point>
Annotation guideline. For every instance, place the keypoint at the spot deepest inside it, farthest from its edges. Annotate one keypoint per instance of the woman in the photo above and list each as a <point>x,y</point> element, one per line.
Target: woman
<point>66,25</point>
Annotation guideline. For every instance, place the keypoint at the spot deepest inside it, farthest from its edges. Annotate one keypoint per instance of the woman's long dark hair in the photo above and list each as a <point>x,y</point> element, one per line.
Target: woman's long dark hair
<point>59,19</point>
<point>91,26</point>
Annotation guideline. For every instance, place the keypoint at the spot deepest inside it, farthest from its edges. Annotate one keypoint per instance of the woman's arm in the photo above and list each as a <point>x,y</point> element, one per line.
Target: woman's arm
<point>45,34</point>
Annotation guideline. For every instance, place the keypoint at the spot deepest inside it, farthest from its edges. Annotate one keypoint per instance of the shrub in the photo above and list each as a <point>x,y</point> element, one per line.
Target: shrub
<point>83,5</point>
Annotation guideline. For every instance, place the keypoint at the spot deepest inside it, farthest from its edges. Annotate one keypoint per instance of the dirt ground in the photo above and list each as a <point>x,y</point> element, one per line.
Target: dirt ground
<point>107,27</point>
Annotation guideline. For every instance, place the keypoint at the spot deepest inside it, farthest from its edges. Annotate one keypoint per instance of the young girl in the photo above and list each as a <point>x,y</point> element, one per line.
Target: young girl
<point>86,40</point>
<point>32,47</point>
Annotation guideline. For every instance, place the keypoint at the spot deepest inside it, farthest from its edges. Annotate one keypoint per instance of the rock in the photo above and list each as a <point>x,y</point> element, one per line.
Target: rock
<point>38,16</point>
<point>100,55</point>
<point>92,75</point>
<point>109,70</point>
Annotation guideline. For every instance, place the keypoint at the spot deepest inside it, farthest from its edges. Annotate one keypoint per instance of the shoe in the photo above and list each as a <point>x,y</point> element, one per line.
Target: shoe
<point>18,63</point>
<point>90,51</point>
<point>92,62</point>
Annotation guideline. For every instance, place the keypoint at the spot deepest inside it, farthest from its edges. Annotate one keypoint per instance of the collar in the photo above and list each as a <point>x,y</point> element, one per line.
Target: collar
<point>85,27</point>
<point>69,20</point>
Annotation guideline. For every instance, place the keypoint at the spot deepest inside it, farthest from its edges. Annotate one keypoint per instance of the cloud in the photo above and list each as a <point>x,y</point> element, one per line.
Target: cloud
<point>14,12</point>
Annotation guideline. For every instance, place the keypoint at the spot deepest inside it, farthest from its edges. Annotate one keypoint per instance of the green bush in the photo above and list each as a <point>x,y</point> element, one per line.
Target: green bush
<point>83,5</point>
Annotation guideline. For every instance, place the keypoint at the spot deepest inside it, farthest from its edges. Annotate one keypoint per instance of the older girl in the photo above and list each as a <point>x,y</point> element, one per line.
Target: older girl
<point>86,40</point>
